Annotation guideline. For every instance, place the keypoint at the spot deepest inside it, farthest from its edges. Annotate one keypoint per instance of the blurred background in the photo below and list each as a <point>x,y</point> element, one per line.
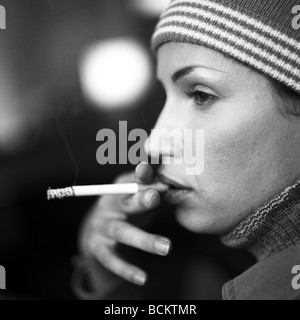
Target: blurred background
<point>69,68</point>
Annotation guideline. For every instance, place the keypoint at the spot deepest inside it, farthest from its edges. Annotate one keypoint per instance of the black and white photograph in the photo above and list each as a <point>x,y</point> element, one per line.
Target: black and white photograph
<point>150,153</point>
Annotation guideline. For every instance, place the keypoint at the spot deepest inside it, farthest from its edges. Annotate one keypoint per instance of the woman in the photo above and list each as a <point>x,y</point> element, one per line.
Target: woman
<point>231,68</point>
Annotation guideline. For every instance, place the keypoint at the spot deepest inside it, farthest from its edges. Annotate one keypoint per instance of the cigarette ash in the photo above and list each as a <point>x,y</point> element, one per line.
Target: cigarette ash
<point>60,193</point>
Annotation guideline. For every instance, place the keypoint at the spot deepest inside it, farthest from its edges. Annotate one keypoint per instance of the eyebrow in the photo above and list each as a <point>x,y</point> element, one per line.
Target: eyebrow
<point>188,70</point>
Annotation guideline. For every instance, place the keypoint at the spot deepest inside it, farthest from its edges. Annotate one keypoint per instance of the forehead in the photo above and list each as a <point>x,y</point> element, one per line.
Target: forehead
<point>174,56</point>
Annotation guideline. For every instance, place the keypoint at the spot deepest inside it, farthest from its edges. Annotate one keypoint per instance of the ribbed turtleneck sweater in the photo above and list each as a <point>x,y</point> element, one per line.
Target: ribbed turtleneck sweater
<point>270,229</point>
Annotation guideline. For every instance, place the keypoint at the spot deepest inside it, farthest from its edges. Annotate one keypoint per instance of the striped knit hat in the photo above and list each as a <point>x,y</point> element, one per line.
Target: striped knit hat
<point>259,33</point>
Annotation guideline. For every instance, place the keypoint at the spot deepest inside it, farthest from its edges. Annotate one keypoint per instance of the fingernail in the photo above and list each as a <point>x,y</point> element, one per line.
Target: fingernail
<point>139,278</point>
<point>150,197</point>
<point>162,246</point>
<point>137,169</point>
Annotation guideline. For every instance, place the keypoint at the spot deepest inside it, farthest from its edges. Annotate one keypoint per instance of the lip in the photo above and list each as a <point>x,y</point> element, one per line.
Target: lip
<point>177,192</point>
<point>164,179</point>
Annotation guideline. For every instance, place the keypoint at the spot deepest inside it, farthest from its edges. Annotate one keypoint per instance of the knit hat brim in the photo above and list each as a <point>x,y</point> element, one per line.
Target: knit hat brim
<point>234,32</point>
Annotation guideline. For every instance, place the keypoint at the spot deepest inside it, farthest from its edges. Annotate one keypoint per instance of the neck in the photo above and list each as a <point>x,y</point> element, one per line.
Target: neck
<point>272,228</point>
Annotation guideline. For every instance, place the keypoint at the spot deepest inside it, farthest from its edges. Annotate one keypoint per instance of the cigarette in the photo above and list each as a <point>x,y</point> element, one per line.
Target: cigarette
<point>103,189</point>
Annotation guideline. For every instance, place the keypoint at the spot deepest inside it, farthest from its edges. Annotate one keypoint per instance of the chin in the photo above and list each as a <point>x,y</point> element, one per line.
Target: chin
<point>194,221</point>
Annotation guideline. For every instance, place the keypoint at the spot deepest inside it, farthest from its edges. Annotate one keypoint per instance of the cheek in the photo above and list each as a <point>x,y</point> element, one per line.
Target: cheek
<point>235,162</point>
<point>230,152</point>
<point>232,148</point>
<point>241,152</point>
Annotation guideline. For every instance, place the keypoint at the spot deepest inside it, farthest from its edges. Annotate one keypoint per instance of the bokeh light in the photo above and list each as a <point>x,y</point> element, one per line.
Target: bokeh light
<point>115,73</point>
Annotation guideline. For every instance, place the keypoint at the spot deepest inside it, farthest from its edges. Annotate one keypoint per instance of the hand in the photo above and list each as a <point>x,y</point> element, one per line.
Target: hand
<point>107,225</point>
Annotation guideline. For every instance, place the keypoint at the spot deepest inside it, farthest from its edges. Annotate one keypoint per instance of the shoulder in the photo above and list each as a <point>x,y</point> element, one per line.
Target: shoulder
<point>274,278</point>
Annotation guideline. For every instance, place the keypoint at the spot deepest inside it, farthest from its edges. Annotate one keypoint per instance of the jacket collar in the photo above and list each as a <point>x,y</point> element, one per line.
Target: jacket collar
<point>272,228</point>
<point>274,278</point>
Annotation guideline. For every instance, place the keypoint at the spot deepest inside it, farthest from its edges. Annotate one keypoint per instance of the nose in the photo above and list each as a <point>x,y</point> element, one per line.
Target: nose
<point>165,139</point>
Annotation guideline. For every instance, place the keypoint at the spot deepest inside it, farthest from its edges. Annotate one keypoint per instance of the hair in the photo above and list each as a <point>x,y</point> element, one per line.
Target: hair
<point>290,98</point>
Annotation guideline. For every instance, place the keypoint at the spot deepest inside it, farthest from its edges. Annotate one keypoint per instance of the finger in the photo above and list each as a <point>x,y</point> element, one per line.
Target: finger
<point>112,261</point>
<point>140,202</point>
<point>127,204</point>
<point>130,235</point>
<point>126,177</point>
<point>144,173</point>
<point>93,240</point>
<point>112,202</point>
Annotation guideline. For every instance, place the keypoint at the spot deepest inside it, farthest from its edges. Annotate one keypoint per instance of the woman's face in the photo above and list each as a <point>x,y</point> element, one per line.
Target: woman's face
<point>251,152</point>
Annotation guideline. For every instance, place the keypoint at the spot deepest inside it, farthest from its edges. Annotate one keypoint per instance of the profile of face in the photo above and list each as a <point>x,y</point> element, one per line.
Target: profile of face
<point>251,152</point>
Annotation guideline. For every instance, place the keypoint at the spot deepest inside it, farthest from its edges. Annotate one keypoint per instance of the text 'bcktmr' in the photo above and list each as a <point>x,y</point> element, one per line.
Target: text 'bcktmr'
<point>162,309</point>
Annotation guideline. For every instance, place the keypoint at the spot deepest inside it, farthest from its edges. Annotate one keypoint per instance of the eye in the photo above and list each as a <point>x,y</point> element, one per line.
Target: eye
<point>201,98</point>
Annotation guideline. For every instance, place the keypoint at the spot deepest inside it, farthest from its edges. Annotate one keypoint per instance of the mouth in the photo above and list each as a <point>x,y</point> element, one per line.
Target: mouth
<point>177,192</point>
